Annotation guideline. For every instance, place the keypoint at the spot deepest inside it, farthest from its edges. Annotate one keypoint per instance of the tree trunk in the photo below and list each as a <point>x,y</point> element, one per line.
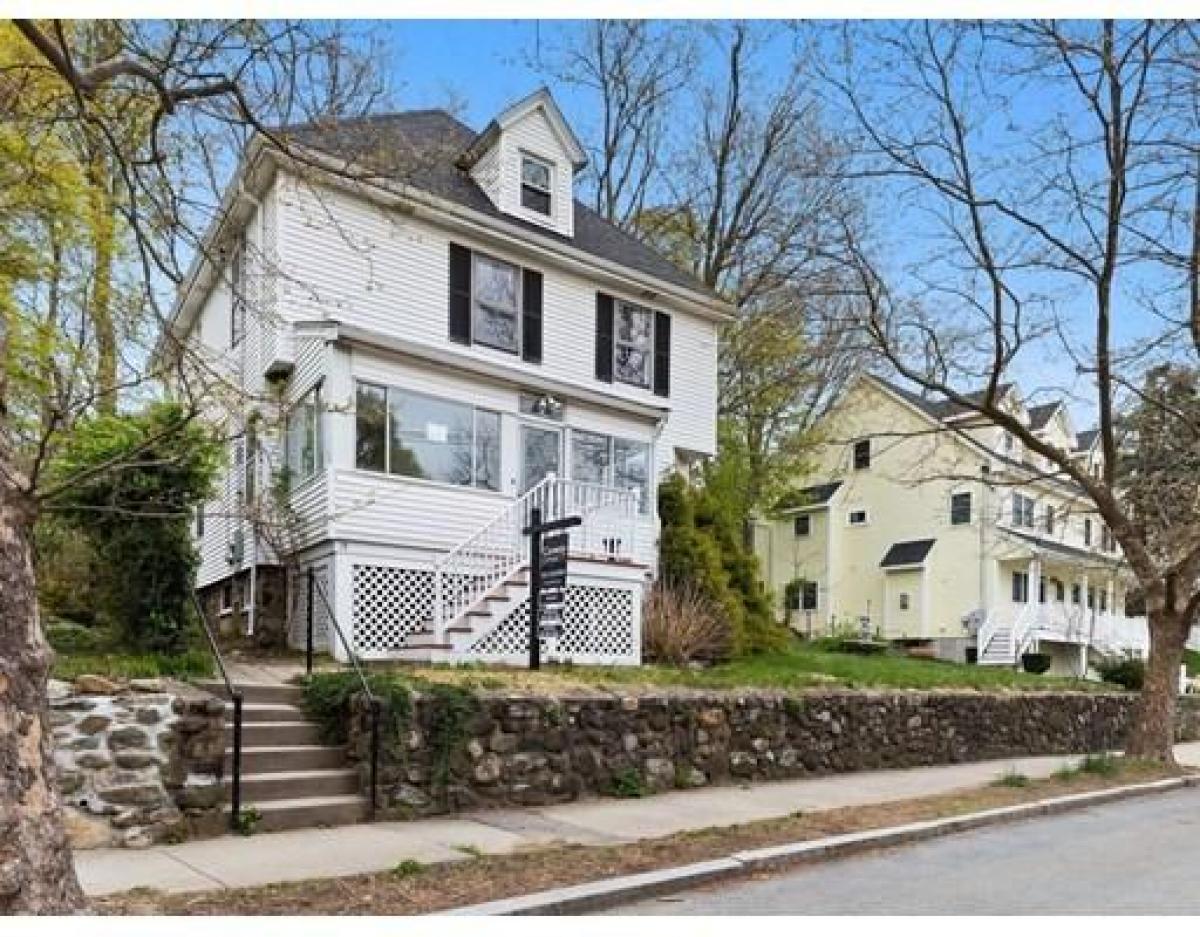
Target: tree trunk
<point>36,872</point>
<point>1152,729</point>
<point>102,221</point>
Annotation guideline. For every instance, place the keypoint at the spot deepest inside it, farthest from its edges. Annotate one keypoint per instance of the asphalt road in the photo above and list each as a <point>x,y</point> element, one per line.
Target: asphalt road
<point>1140,856</point>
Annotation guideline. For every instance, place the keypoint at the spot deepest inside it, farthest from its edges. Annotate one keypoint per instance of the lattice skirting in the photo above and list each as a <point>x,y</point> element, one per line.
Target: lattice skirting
<point>600,625</point>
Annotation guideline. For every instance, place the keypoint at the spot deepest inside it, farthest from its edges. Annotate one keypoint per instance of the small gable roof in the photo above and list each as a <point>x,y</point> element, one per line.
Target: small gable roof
<point>813,496</point>
<point>1040,416</point>
<point>907,553</point>
<point>514,112</point>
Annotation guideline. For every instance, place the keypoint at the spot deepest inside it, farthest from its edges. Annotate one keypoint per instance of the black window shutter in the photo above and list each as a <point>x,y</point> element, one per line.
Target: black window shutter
<point>604,337</point>
<point>662,354</point>
<point>531,313</point>
<point>460,294</point>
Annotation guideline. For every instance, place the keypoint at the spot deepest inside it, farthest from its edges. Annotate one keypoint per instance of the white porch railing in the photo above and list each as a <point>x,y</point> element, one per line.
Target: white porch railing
<point>492,554</point>
<point>1023,630</point>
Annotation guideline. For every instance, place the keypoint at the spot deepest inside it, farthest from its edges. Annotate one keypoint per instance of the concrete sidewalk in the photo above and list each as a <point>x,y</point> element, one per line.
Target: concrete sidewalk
<point>235,861</point>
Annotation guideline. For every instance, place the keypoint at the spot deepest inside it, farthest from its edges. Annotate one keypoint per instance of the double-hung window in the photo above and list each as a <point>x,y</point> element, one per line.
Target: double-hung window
<point>633,345</point>
<point>496,303</point>
<point>862,454</point>
<point>1023,510</point>
<point>404,433</point>
<point>535,185</point>
<point>802,525</point>
<point>1020,586</point>
<point>960,508</point>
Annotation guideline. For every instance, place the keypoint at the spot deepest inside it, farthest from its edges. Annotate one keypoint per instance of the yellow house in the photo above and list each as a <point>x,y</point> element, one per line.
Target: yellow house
<point>931,527</point>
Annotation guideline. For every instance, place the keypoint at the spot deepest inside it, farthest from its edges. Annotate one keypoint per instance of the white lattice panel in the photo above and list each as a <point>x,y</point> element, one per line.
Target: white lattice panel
<point>598,622</point>
<point>388,603</point>
<point>298,620</point>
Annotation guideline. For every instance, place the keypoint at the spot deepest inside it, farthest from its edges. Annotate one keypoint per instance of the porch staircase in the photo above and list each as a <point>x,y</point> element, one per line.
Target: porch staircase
<point>289,776</point>
<point>998,651</point>
<point>423,643</point>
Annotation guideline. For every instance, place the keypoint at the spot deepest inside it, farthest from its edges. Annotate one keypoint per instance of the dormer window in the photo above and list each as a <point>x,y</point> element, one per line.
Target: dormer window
<point>535,184</point>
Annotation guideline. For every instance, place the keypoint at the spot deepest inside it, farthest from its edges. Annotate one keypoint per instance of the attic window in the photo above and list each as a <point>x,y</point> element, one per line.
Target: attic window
<point>535,185</point>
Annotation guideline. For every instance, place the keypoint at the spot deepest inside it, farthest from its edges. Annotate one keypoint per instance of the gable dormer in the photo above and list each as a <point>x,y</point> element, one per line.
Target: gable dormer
<point>525,161</point>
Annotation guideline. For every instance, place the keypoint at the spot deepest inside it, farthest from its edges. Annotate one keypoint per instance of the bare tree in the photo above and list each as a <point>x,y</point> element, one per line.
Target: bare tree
<point>1045,180</point>
<point>160,110</point>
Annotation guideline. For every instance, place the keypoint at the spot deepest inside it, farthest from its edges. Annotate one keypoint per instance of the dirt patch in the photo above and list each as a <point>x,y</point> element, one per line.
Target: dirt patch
<point>412,888</point>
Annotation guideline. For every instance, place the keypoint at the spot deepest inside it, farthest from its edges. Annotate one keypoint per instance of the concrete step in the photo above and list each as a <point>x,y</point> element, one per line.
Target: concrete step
<point>270,734</point>
<point>265,693</point>
<point>300,812</point>
<point>288,785</point>
<point>267,712</point>
<point>277,758</point>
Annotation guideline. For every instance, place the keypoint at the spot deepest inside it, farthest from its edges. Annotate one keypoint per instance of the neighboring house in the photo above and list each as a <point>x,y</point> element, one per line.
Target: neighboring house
<point>421,354</point>
<point>932,526</point>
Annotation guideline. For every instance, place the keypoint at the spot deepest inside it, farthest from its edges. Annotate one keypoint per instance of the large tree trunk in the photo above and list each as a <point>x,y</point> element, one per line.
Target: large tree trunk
<point>36,872</point>
<point>1152,728</point>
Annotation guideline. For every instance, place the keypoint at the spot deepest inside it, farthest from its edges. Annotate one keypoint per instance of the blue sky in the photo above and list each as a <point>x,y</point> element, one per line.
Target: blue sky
<point>481,66</point>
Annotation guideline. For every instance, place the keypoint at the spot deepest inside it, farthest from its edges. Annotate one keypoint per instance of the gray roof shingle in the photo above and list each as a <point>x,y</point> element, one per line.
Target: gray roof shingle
<point>812,496</point>
<point>422,149</point>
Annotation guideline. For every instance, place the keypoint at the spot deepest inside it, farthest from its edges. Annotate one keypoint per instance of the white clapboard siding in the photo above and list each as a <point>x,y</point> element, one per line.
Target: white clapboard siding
<point>533,135</point>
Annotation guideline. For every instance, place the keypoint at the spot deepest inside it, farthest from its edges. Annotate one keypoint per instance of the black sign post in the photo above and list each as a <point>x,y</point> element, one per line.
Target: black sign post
<point>547,576</point>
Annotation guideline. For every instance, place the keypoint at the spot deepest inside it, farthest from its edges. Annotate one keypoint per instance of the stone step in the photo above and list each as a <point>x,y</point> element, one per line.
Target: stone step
<point>271,734</point>
<point>300,812</point>
<point>288,785</point>
<point>276,758</point>
<point>267,712</point>
<point>273,693</point>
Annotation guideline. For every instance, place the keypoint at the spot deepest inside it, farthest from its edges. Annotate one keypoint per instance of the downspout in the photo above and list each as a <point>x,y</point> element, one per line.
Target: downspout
<point>252,611</point>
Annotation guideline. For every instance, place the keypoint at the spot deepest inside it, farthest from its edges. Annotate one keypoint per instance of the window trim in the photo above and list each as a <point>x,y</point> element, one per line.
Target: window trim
<point>388,390</point>
<point>618,305</point>
<point>518,306</point>
<point>546,164</point>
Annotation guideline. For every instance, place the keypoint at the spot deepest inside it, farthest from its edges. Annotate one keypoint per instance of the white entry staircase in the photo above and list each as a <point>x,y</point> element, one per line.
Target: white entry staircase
<point>483,579</point>
<point>1002,643</point>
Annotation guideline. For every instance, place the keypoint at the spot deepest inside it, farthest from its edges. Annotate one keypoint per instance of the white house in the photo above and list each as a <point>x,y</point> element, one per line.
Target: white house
<point>424,336</point>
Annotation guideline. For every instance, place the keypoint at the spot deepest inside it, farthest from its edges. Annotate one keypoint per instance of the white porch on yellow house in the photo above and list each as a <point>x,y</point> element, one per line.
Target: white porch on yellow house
<point>1059,600</point>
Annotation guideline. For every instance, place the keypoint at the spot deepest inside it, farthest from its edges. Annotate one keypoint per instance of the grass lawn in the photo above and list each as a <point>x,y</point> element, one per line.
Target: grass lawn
<point>79,650</point>
<point>802,666</point>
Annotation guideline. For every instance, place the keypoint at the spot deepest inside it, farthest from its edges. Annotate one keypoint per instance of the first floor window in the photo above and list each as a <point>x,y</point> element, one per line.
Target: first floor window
<point>1020,586</point>
<point>960,508</point>
<point>227,596</point>
<point>802,525</point>
<point>609,460</point>
<point>857,518</point>
<point>496,301</point>
<point>1076,593</point>
<point>633,344</point>
<point>808,597</point>
<point>1060,592</point>
<point>904,601</point>
<point>304,453</point>
<point>410,434</point>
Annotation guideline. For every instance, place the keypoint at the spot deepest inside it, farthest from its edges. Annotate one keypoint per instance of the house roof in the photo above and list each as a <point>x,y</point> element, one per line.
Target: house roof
<point>1040,415</point>
<point>514,112</point>
<point>423,149</point>
<point>813,496</point>
<point>1062,549</point>
<point>907,553</point>
<point>941,409</point>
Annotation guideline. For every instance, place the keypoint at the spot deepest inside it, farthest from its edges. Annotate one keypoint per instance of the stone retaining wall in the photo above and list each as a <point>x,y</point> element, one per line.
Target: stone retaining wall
<point>136,768</point>
<point>537,751</point>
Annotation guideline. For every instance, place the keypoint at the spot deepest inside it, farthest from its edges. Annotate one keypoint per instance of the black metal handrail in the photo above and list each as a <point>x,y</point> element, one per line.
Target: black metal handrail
<point>372,699</point>
<point>235,697</point>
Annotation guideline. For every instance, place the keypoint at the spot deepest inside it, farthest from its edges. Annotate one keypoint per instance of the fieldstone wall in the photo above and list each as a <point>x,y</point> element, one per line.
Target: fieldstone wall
<point>136,765</point>
<point>537,751</point>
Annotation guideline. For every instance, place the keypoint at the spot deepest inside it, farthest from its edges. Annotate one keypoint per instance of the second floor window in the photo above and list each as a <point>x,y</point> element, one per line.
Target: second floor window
<point>237,299</point>
<point>960,508</point>
<point>403,433</point>
<point>1023,510</point>
<point>496,303</point>
<point>535,185</point>
<point>633,345</point>
<point>1049,518</point>
<point>1087,531</point>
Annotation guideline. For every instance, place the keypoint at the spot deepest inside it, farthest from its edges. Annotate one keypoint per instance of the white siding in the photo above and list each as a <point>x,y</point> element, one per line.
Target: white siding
<point>533,135</point>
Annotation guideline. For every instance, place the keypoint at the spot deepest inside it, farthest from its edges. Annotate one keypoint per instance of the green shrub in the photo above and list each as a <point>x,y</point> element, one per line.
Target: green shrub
<point>1011,779</point>
<point>1102,765</point>
<point>68,637</point>
<point>1036,663</point>
<point>407,868</point>
<point>1129,672</point>
<point>628,784</point>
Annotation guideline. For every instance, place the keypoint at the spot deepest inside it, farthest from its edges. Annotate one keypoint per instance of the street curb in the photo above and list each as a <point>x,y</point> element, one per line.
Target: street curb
<point>593,896</point>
